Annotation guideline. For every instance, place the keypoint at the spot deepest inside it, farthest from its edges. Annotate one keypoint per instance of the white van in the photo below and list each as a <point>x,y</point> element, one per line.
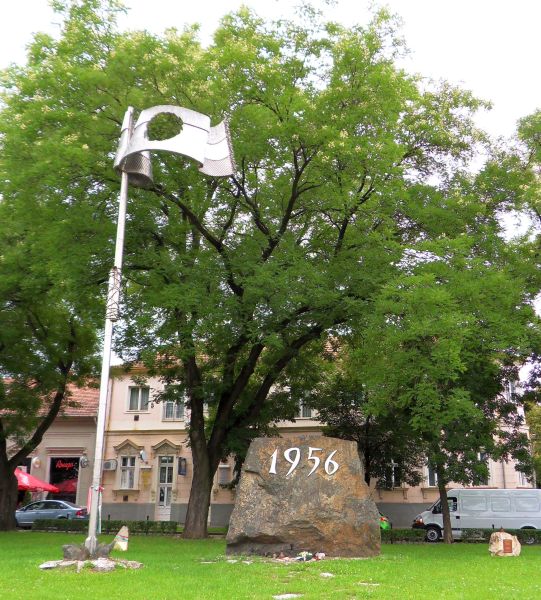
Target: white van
<point>483,509</point>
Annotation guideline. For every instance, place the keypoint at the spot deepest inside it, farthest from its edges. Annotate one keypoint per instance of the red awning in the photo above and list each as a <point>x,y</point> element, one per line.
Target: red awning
<point>68,486</point>
<point>30,483</point>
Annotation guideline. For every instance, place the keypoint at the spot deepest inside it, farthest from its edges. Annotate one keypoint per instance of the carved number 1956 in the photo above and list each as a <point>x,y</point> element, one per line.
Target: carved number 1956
<point>293,457</point>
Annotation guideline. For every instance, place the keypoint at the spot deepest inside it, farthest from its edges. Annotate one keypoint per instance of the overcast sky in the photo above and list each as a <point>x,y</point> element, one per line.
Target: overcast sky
<point>488,46</point>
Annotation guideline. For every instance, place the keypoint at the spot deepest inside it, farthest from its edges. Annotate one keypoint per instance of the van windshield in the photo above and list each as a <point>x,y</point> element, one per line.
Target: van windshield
<point>436,507</point>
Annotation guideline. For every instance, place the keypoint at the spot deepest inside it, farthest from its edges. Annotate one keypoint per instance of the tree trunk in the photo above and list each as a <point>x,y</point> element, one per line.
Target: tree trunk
<point>195,526</point>
<point>8,497</point>
<point>447,529</point>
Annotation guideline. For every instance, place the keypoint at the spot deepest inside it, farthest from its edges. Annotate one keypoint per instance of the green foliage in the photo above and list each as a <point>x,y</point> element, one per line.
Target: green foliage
<point>448,336</point>
<point>402,536</point>
<point>389,452</point>
<point>107,527</point>
<point>350,176</point>
<point>202,569</point>
<point>533,418</point>
<point>60,525</point>
<point>525,536</point>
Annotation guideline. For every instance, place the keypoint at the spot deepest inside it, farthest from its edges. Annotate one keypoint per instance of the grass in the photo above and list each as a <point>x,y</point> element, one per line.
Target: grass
<point>176,569</point>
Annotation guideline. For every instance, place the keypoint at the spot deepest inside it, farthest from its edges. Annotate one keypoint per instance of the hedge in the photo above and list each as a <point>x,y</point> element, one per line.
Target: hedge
<point>402,536</point>
<point>525,536</point>
<point>405,536</point>
<point>107,527</point>
<point>388,536</point>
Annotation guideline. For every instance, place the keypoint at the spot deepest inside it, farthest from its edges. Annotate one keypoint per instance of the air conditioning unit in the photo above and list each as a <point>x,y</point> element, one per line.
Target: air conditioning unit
<point>109,465</point>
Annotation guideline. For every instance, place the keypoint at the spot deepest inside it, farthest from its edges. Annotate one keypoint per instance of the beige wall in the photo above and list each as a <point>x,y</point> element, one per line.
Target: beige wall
<point>130,432</point>
<point>68,436</point>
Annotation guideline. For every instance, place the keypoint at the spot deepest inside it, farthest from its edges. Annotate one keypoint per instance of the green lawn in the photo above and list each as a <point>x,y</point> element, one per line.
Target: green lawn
<point>184,570</point>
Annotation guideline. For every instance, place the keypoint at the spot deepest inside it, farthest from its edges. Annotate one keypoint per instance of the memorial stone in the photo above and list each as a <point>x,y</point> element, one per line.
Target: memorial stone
<point>303,493</point>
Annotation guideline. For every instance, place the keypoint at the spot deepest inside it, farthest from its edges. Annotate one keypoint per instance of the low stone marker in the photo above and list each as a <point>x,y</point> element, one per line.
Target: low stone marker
<point>504,544</point>
<point>303,494</point>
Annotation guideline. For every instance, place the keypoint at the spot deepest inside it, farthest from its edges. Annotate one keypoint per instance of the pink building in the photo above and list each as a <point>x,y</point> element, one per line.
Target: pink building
<point>149,466</point>
<point>65,452</point>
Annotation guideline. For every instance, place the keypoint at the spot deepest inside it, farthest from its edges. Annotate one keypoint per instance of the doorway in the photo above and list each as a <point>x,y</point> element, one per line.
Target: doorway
<point>165,487</point>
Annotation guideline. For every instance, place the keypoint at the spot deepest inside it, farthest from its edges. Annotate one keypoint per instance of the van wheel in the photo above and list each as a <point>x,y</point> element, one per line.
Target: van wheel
<point>433,534</point>
<point>526,538</point>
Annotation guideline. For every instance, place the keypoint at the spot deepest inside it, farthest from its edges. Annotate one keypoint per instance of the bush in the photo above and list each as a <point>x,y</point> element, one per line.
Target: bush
<point>107,527</point>
<point>525,536</point>
<point>146,527</point>
<point>60,525</point>
<point>403,536</point>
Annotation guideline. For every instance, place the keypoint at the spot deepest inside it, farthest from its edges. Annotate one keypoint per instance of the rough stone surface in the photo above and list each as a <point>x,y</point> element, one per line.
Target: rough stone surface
<point>103,550</point>
<point>504,544</point>
<point>75,552</point>
<point>291,513</point>
<point>80,552</point>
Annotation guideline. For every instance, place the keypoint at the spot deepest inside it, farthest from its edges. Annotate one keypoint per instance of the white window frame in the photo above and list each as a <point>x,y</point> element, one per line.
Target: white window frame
<point>522,480</point>
<point>141,406</point>
<point>431,475</point>
<point>177,411</point>
<point>305,409</point>
<point>127,463</point>
<point>169,487</point>
<point>396,480</point>
<point>224,474</point>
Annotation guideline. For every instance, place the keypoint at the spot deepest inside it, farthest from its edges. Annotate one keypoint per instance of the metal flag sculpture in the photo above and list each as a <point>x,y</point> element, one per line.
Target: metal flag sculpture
<point>196,139</point>
<point>209,146</point>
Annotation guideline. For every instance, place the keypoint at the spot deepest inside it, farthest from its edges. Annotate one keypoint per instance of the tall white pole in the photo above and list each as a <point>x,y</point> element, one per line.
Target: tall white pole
<point>111,315</point>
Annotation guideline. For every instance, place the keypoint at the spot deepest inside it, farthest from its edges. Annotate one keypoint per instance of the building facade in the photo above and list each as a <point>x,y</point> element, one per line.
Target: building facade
<point>64,455</point>
<point>148,465</point>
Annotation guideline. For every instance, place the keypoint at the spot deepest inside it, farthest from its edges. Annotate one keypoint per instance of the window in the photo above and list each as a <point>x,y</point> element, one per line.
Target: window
<point>393,477</point>
<point>500,504</point>
<point>51,504</point>
<point>526,503</point>
<point>396,475</point>
<point>522,479</point>
<point>483,457</point>
<point>127,472</point>
<point>432,476</point>
<point>173,411</point>
<point>510,391</point>
<point>305,412</point>
<point>474,502</point>
<point>166,469</point>
<point>138,399</point>
<point>452,503</point>
<point>224,475</point>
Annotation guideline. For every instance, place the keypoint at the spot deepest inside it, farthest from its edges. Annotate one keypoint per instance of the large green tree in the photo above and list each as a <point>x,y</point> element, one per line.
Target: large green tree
<point>343,167</point>
<point>389,450</point>
<point>447,338</point>
<point>47,330</point>
<point>54,232</point>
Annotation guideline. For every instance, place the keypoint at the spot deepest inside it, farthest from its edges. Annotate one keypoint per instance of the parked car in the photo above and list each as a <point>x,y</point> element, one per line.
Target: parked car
<point>483,509</point>
<point>49,509</point>
<point>384,522</point>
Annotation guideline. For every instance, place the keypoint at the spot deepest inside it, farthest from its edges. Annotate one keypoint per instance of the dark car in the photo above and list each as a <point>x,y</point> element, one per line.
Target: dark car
<point>49,509</point>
